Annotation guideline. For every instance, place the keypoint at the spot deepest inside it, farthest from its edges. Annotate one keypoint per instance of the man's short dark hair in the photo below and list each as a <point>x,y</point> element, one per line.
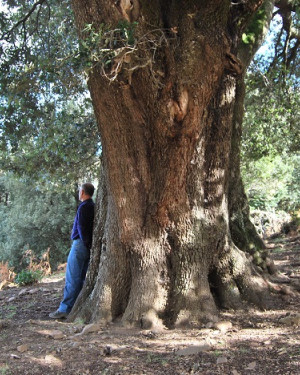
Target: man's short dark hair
<point>88,188</point>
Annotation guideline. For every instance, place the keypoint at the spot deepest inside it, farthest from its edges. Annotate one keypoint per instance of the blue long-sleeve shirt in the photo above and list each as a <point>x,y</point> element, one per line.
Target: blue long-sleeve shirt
<point>83,223</point>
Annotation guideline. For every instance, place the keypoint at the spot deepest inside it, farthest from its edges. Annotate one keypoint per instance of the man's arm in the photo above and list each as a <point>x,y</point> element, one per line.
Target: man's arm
<point>85,224</point>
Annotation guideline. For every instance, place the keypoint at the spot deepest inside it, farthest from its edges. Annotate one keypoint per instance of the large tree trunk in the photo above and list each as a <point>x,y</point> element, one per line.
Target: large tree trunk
<point>162,249</point>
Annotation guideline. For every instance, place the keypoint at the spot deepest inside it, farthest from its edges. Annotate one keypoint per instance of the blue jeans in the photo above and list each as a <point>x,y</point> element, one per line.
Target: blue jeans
<point>77,265</point>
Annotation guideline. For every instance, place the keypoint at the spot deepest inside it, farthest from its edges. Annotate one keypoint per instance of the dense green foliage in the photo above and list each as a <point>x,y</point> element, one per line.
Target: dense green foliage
<point>47,122</point>
<point>273,182</point>
<point>49,139</point>
<point>34,219</point>
<point>271,135</point>
<point>271,147</point>
<point>28,277</point>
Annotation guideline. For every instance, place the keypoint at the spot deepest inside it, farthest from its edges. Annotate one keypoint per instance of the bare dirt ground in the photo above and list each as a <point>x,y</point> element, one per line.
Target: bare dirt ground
<point>249,342</point>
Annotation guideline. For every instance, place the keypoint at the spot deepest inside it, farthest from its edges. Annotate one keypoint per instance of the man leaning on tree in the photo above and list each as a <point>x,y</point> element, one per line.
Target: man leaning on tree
<point>79,256</point>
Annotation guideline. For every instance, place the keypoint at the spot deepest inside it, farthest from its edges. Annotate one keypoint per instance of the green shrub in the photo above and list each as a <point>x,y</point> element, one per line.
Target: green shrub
<point>272,183</point>
<point>28,277</point>
<point>35,218</point>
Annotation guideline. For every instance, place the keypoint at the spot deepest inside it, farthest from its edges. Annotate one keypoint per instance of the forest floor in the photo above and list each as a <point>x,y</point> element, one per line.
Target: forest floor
<point>247,342</point>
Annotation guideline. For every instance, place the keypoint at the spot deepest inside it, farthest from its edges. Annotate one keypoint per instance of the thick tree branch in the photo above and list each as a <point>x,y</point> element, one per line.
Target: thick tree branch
<point>242,11</point>
<point>246,52</point>
<point>295,33</point>
<point>289,5</point>
<point>287,53</point>
<point>293,53</point>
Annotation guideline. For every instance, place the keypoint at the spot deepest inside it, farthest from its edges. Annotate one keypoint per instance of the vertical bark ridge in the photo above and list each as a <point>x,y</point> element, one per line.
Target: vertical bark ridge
<point>189,298</point>
<point>148,287</point>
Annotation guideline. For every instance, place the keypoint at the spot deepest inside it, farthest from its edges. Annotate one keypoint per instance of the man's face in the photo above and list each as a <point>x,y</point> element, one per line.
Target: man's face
<point>80,194</point>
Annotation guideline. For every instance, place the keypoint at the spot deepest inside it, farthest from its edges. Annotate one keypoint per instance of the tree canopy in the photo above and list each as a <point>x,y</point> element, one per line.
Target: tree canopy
<point>49,138</point>
<point>48,126</point>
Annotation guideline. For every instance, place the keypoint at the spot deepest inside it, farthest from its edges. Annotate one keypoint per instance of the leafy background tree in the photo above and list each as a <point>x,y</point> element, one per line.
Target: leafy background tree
<point>271,134</point>
<point>34,220</point>
<point>45,109</point>
<point>49,139</point>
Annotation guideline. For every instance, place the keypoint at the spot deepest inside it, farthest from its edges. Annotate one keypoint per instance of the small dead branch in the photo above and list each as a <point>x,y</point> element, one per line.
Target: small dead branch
<point>7,275</point>
<point>115,50</point>
<point>42,264</point>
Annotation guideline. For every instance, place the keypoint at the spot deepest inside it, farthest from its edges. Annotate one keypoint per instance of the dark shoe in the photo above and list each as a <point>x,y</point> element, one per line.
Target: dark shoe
<point>58,315</point>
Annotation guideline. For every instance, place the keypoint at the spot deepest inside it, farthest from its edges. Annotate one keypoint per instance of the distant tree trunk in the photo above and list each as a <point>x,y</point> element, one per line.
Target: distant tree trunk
<point>163,250</point>
<point>243,232</point>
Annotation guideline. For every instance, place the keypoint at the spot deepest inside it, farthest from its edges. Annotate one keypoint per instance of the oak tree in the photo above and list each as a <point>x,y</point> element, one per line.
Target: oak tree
<point>165,80</point>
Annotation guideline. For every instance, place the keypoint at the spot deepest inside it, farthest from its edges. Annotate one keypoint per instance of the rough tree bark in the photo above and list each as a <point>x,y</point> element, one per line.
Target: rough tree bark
<point>163,250</point>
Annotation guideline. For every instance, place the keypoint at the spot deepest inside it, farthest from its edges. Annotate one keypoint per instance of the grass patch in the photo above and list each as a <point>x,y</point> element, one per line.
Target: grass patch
<point>4,368</point>
<point>278,250</point>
